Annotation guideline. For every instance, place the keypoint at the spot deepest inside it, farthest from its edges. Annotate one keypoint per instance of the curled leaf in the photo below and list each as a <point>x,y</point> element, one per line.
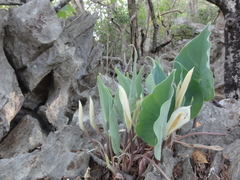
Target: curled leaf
<point>178,118</point>
<point>180,92</point>
<point>126,108</point>
<point>137,110</point>
<point>91,114</point>
<point>80,116</point>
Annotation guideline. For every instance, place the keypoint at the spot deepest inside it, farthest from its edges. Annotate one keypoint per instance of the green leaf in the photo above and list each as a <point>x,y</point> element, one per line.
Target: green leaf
<point>61,14</point>
<point>70,8</point>
<point>114,132</point>
<point>159,125</point>
<point>151,107</point>
<point>106,101</point>
<point>150,83</point>
<point>135,90</point>
<point>136,84</point>
<point>196,54</point>
<point>124,81</point>
<point>118,106</point>
<point>156,76</point>
<point>109,115</point>
<point>158,73</point>
<point>194,97</point>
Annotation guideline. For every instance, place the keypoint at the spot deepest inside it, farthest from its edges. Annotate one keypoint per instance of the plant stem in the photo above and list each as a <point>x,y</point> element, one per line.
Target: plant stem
<point>157,167</point>
<point>200,133</point>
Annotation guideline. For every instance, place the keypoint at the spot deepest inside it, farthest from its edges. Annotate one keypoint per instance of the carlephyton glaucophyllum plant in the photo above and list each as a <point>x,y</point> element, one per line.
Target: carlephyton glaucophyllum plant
<point>171,101</point>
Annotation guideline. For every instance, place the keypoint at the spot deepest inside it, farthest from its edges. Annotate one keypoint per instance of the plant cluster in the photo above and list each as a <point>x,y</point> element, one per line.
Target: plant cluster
<point>152,114</point>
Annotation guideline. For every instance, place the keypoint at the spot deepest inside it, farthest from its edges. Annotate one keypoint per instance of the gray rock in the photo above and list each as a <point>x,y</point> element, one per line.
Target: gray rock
<point>233,151</point>
<point>214,120</point>
<point>32,25</point>
<point>61,155</point>
<point>11,98</point>
<point>188,173</point>
<point>10,2</point>
<point>151,176</point>
<point>32,28</point>
<point>26,136</point>
<point>71,70</point>
<point>167,162</point>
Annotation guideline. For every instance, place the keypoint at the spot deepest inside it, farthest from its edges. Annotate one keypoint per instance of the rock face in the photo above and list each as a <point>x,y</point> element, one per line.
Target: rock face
<point>43,61</point>
<point>11,97</point>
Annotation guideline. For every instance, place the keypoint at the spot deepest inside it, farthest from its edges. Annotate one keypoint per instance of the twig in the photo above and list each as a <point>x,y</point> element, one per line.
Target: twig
<point>200,133</point>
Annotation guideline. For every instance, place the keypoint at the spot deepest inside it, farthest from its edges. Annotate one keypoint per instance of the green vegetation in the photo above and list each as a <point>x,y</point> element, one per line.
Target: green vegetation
<point>171,101</point>
<point>113,29</point>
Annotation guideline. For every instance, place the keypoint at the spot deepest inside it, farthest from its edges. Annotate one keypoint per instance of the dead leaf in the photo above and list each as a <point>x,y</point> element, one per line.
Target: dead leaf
<point>199,156</point>
<point>225,156</point>
<point>198,124</point>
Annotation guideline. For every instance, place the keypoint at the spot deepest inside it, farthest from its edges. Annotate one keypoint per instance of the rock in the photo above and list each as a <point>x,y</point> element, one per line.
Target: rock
<point>62,154</point>
<point>151,176</point>
<point>233,151</point>
<point>188,173</point>
<point>69,71</point>
<point>10,2</point>
<point>26,136</point>
<point>167,164</point>
<point>217,60</point>
<point>11,97</point>
<point>34,25</point>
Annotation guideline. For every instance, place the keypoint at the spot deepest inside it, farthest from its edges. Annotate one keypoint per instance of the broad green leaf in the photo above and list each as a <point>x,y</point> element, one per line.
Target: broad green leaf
<point>151,106</point>
<point>155,77</point>
<point>194,97</point>
<point>150,83</point>
<point>106,101</point>
<point>114,132</point>
<point>124,81</point>
<point>158,74</point>
<point>159,125</point>
<point>196,54</point>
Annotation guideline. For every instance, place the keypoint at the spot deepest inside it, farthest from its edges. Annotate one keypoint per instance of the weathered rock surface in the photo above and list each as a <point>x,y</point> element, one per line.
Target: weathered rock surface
<point>27,135</point>
<point>31,32</point>
<point>11,97</point>
<point>50,58</point>
<point>61,155</point>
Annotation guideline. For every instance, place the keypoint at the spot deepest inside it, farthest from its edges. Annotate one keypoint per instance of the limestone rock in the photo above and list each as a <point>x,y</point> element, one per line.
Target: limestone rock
<point>11,97</point>
<point>70,70</point>
<point>26,136</point>
<point>32,28</point>
<point>62,154</point>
